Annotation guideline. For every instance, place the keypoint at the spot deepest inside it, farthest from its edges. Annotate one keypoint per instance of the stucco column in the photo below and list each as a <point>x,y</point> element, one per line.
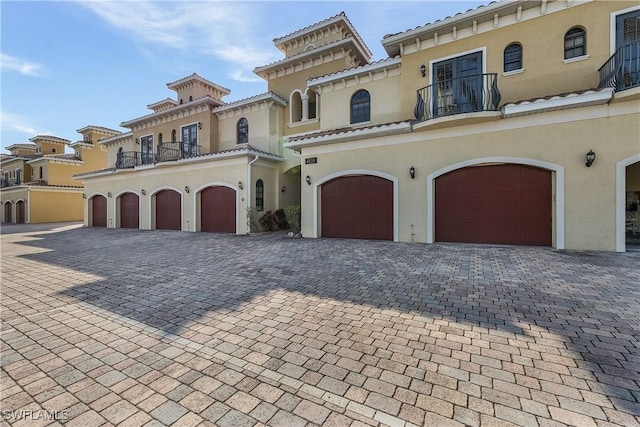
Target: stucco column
<point>305,107</point>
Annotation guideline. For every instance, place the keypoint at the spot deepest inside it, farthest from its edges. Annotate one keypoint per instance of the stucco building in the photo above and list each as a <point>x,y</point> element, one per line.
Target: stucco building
<point>37,177</point>
<point>513,123</point>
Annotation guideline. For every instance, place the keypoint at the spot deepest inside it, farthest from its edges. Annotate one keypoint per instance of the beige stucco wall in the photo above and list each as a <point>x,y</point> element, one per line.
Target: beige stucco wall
<point>53,205</point>
<point>589,193</point>
<point>265,127</point>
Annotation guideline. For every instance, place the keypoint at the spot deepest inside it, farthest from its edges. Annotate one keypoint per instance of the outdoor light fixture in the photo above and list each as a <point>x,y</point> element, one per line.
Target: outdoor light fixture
<point>412,172</point>
<point>186,189</point>
<point>109,194</point>
<point>308,179</point>
<point>144,193</point>
<point>591,156</point>
<point>423,70</point>
<point>84,196</point>
<point>284,188</point>
<point>240,185</point>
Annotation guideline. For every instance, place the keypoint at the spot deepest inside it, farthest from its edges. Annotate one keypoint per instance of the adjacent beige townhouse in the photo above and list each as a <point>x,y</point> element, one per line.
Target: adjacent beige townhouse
<point>513,123</point>
<point>37,184</point>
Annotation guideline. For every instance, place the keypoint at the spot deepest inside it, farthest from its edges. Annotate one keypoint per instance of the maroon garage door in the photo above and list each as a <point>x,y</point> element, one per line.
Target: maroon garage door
<point>7,212</point>
<point>506,203</point>
<point>357,207</point>
<point>20,212</point>
<point>168,205</point>
<point>99,209</point>
<point>129,211</point>
<point>218,210</point>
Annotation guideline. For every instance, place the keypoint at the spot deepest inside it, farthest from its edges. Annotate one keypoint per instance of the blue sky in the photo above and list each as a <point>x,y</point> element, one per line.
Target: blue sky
<point>69,64</point>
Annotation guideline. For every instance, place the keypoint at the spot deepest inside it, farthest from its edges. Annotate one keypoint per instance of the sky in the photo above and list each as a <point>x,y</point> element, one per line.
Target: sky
<point>68,64</point>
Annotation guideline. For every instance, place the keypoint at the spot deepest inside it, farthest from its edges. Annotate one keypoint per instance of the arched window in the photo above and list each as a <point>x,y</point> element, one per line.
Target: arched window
<point>295,104</point>
<point>259,195</point>
<point>313,105</point>
<point>160,138</point>
<point>41,173</point>
<point>53,150</point>
<point>360,107</point>
<point>190,98</point>
<point>513,57</point>
<point>575,43</point>
<point>243,131</point>
<point>173,135</point>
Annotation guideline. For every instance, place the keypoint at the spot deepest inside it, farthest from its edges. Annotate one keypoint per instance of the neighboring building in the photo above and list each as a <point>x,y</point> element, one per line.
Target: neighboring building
<point>513,123</point>
<point>37,183</point>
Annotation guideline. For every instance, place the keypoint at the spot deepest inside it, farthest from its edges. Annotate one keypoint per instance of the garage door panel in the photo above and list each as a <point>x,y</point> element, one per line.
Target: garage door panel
<point>99,211</point>
<point>218,210</point>
<point>509,204</point>
<point>129,211</point>
<point>168,210</point>
<point>359,207</point>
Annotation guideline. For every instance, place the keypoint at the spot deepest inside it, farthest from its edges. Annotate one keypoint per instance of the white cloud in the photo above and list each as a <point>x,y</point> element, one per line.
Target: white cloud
<point>227,31</point>
<point>22,66</point>
<point>20,124</point>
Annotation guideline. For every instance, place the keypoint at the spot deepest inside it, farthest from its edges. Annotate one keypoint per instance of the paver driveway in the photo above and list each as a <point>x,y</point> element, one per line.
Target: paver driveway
<point>130,327</point>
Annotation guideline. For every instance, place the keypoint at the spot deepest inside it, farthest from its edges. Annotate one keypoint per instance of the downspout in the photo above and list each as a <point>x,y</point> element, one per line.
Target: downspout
<point>249,192</point>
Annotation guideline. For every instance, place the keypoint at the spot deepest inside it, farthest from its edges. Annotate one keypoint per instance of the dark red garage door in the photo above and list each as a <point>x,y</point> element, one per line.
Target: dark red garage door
<point>218,210</point>
<point>129,211</point>
<point>20,212</point>
<point>99,209</point>
<point>357,207</point>
<point>506,204</point>
<point>168,206</point>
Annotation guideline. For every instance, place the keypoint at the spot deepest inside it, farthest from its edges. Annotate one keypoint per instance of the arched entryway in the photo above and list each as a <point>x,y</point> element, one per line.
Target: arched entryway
<point>494,203</point>
<point>168,210</point>
<point>357,206</point>
<point>99,211</point>
<point>129,210</point>
<point>20,212</point>
<point>7,212</point>
<point>218,209</point>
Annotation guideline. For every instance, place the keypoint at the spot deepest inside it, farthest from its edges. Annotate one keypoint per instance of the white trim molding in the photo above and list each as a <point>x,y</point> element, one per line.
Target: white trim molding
<point>559,190</point>
<point>328,178</point>
<point>612,26</point>
<point>621,185</point>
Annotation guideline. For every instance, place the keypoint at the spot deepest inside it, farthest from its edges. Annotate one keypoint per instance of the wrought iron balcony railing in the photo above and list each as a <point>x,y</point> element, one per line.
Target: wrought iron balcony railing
<point>169,151</point>
<point>466,94</point>
<point>11,182</point>
<point>622,69</point>
<point>128,159</point>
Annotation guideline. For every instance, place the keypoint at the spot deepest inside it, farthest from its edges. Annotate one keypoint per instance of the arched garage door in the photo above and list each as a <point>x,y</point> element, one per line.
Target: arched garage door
<point>504,204</point>
<point>99,211</point>
<point>129,211</point>
<point>357,207</point>
<point>168,207</point>
<point>218,210</point>
<point>8,217</point>
<point>20,212</point>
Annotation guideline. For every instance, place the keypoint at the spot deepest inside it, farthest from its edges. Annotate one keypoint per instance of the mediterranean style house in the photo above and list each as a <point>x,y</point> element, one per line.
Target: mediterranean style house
<point>513,123</point>
<point>37,178</point>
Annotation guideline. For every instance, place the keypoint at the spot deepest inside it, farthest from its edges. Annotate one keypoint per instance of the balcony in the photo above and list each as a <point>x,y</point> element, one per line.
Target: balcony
<point>167,152</point>
<point>622,69</point>
<point>12,182</point>
<point>468,94</point>
<point>176,150</point>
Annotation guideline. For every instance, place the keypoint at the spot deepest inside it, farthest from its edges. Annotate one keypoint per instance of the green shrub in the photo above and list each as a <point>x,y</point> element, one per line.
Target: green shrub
<point>293,216</point>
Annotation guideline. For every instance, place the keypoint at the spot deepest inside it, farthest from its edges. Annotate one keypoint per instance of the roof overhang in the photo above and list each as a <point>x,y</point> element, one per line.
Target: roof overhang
<point>345,135</point>
<point>268,97</point>
<point>357,71</point>
<point>559,102</point>
<point>208,100</point>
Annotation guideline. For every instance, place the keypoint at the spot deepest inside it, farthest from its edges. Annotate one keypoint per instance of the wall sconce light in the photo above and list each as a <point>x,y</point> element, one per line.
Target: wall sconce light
<point>199,125</point>
<point>412,172</point>
<point>240,185</point>
<point>423,70</point>
<point>137,142</point>
<point>84,196</point>
<point>144,193</point>
<point>186,189</point>
<point>308,179</point>
<point>109,194</point>
<point>284,188</point>
<point>591,157</point>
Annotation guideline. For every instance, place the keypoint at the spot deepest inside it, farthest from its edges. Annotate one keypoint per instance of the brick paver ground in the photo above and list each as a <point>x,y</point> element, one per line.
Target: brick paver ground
<point>128,327</point>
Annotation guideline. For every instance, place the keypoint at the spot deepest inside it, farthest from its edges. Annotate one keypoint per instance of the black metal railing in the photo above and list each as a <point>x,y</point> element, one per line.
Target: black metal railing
<point>7,183</point>
<point>467,94</point>
<point>622,69</point>
<point>169,151</point>
<point>127,159</point>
